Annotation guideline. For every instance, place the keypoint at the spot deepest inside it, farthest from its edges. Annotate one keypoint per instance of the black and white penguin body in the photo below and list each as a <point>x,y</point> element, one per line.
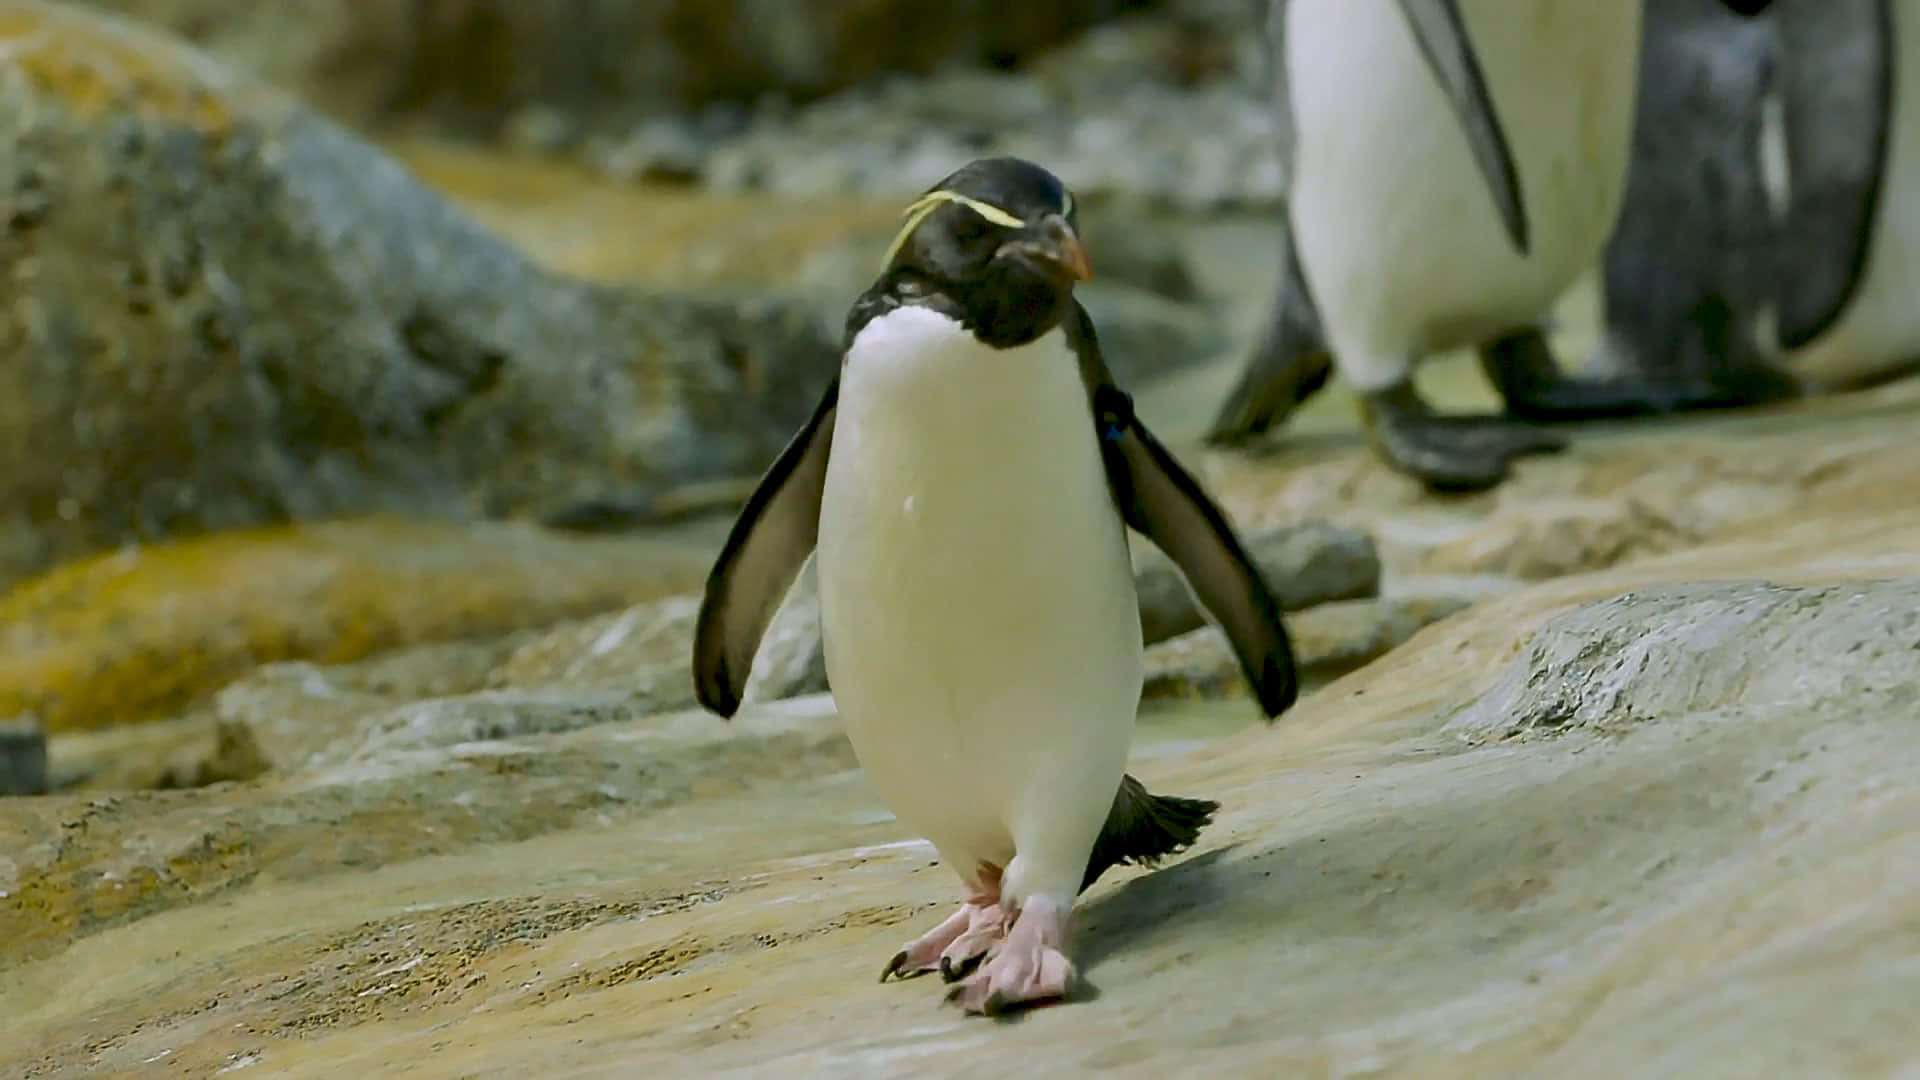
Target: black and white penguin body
<point>1763,246</point>
<point>969,481</point>
<point>1452,167</point>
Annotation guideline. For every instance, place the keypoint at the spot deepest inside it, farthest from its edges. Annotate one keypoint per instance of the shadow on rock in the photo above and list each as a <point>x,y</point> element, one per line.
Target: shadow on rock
<point>1130,915</point>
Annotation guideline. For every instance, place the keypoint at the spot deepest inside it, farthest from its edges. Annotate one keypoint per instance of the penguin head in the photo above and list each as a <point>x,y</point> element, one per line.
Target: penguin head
<point>998,238</point>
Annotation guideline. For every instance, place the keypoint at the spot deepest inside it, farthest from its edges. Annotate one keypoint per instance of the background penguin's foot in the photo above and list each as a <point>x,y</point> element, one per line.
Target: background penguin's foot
<point>955,946</point>
<point>1522,368</point>
<point>1447,453</point>
<point>1276,381</point>
<point>1028,968</point>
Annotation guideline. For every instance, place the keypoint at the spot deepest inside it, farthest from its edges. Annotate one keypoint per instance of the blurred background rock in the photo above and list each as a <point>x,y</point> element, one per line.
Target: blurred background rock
<point>804,98</point>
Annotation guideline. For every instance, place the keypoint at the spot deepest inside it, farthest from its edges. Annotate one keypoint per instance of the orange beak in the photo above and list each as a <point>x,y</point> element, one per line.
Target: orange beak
<point>1063,248</point>
<point>1058,247</point>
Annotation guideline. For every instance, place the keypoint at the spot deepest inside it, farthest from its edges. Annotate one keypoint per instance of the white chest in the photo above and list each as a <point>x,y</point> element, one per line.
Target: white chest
<point>976,594</point>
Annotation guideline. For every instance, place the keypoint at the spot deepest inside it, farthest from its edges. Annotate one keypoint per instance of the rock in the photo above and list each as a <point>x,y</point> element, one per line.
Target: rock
<point>467,65</point>
<point>145,632</point>
<point>236,756</point>
<point>1693,648</point>
<point>644,653</point>
<point>1156,110</point>
<point>1547,539</point>
<point>1312,563</point>
<point>1144,338</point>
<point>430,777</point>
<point>1134,251</point>
<point>1329,641</point>
<point>671,894</point>
<point>23,758</point>
<point>227,311</point>
<point>792,659</point>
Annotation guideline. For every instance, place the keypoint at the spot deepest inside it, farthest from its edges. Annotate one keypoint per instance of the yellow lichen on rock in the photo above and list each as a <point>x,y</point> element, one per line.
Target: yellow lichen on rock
<point>138,634</point>
<point>94,63</point>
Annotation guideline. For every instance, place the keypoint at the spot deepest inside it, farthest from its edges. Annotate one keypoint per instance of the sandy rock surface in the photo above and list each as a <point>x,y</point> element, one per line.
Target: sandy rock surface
<point>1412,874</point>
<point>1655,812</point>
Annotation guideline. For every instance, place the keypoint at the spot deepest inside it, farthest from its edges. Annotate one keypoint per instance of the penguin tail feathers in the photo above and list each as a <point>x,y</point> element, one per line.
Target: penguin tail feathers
<point>1142,828</point>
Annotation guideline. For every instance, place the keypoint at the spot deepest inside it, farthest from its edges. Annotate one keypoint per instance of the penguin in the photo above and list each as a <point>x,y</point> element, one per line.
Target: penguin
<point>965,486</point>
<point>1451,167</point>
<point>1689,272</point>
<point>1850,251</point>
<point>1734,279</point>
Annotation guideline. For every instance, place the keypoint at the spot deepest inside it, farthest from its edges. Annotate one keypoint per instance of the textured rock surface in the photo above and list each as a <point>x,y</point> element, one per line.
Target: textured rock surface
<point>226,311</point>
<point>144,632</point>
<point>1683,649</point>
<point>1328,642</point>
<point>1167,109</point>
<point>1307,564</point>
<point>495,887</point>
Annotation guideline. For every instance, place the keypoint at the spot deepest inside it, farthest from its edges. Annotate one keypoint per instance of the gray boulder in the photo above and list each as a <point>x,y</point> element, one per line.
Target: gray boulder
<point>225,310</point>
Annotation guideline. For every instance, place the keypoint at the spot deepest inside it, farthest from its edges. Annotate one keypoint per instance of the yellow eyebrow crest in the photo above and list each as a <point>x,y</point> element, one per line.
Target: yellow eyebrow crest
<point>928,203</point>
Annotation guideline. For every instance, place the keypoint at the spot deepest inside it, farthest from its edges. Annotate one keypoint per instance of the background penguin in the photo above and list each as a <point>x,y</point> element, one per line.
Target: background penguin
<point>1451,168</point>
<point>1851,242</point>
<point>1712,296</point>
<point>1690,270</point>
<point>968,480</point>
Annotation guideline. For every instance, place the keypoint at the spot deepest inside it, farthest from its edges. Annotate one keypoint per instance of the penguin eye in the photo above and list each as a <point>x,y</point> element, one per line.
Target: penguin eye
<point>970,228</point>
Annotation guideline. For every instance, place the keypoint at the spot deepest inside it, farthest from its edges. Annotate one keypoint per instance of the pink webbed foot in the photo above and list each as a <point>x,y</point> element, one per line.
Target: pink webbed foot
<point>1027,968</point>
<point>958,943</point>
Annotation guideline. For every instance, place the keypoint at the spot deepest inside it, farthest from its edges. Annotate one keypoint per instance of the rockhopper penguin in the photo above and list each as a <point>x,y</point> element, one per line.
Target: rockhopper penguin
<point>968,481</point>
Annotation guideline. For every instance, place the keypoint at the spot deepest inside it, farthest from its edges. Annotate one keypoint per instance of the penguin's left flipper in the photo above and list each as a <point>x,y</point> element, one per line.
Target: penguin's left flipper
<point>1521,367</point>
<point>1143,828</point>
<point>1157,497</point>
<point>1447,453</point>
<point>769,543</point>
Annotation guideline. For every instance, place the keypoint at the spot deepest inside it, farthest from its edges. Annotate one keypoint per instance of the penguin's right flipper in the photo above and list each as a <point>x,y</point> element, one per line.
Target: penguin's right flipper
<point>1442,37</point>
<point>1159,499</point>
<point>769,543</point>
<point>1143,828</point>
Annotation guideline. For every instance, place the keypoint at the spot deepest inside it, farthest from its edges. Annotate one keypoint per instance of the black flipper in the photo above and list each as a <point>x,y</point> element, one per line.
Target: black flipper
<point>1157,497</point>
<point>768,545</point>
<point>1442,36</point>
<point>1838,95</point>
<point>1143,828</point>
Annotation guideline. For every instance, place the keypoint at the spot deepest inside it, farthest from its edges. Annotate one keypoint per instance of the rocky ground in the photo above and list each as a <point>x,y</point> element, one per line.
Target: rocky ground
<point>1605,772</point>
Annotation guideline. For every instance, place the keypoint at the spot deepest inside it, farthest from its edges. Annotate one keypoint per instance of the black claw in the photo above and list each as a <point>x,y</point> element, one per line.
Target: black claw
<point>898,967</point>
<point>952,972</point>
